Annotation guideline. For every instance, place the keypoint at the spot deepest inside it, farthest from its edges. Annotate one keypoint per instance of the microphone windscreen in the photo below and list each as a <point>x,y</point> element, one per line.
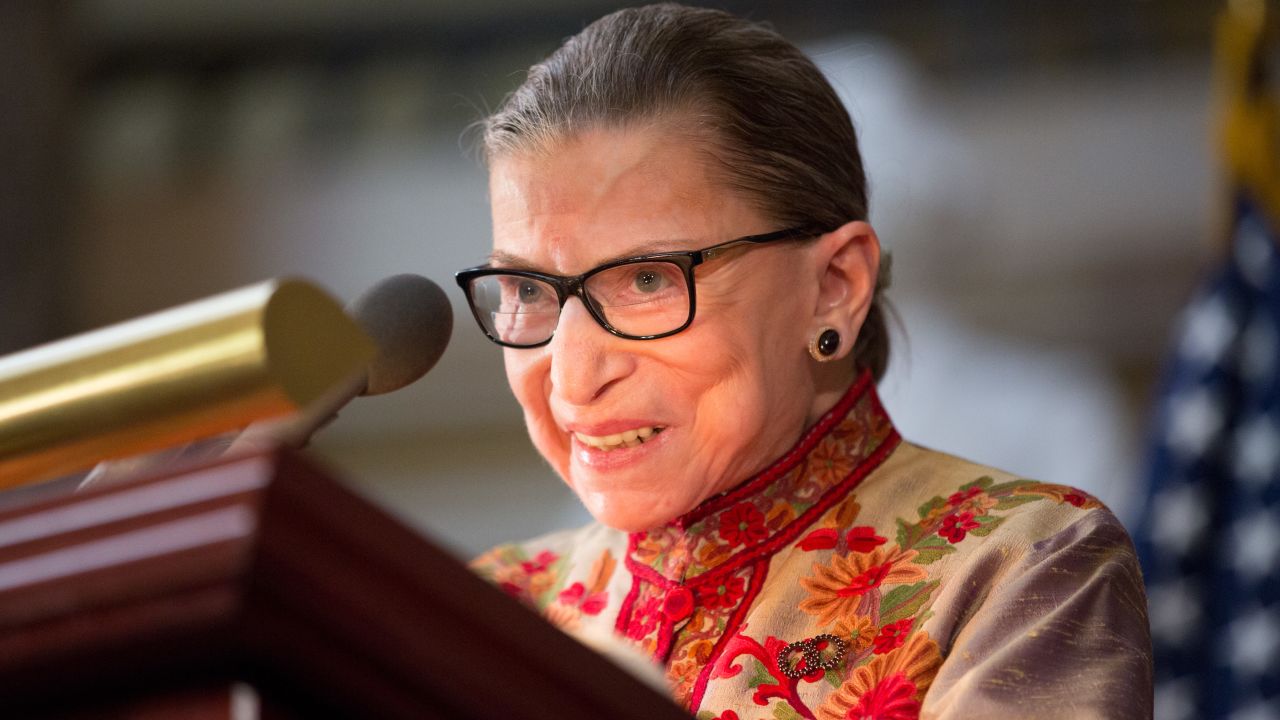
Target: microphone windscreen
<point>410,319</point>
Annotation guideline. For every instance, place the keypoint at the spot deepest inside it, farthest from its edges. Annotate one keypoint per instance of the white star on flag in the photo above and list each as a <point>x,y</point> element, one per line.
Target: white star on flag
<point>1257,451</point>
<point>1258,357</point>
<point>1195,419</point>
<point>1175,611</point>
<point>1256,541</point>
<point>1252,642</point>
<point>1209,330</point>
<point>1180,518</point>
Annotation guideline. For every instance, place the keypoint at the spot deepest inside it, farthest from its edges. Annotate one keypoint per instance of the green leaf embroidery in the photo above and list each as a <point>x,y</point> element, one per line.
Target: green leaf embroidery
<point>782,710</point>
<point>989,523</point>
<point>1013,501</point>
<point>902,533</point>
<point>933,504</point>
<point>1005,488</point>
<point>833,677</point>
<point>905,600</point>
<point>706,715</point>
<point>509,555</point>
<point>557,570</point>
<point>932,549</point>
<point>983,482</point>
<point>761,676</point>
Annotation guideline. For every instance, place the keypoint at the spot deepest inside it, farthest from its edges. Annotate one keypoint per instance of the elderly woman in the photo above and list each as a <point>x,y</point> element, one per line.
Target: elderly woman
<point>689,298</point>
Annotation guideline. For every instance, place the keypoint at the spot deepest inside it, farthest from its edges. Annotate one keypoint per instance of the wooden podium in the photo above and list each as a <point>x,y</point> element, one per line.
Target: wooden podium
<point>259,587</point>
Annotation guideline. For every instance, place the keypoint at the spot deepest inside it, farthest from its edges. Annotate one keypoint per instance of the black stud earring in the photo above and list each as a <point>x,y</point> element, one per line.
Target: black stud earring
<point>824,345</point>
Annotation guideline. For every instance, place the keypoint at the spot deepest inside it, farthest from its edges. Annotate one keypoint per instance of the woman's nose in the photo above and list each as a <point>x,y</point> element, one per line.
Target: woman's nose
<point>586,360</point>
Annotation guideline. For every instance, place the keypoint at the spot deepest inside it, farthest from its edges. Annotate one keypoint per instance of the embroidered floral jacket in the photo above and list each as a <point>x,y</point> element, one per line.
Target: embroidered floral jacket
<point>861,576</point>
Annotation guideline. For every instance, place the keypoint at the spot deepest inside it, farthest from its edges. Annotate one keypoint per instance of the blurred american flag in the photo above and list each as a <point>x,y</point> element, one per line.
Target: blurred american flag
<point>1209,537</point>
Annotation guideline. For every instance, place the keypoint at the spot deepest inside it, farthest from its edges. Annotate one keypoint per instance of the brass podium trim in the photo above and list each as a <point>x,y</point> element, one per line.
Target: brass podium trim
<point>166,379</point>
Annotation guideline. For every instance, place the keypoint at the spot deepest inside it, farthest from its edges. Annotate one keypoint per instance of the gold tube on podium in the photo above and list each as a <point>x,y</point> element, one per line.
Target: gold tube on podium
<point>183,374</point>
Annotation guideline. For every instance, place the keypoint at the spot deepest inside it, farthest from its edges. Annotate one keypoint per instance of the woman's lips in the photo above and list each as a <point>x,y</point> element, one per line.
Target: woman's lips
<point>625,439</point>
<point>617,449</point>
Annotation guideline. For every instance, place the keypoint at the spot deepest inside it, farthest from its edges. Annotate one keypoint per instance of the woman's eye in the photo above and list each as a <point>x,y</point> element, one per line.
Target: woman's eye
<point>529,292</point>
<point>648,281</point>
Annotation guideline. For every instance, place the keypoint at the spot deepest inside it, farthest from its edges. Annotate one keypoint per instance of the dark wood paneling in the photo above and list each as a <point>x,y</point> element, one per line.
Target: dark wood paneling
<point>261,569</point>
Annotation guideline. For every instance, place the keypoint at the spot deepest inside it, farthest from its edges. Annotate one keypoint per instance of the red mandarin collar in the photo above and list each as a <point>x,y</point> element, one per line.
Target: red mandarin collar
<point>768,511</point>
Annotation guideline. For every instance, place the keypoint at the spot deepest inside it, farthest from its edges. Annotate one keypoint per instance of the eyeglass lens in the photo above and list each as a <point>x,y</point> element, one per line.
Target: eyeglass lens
<point>639,299</point>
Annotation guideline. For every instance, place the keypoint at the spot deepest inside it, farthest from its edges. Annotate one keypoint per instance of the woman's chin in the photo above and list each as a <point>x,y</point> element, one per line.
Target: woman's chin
<point>630,511</point>
<point>629,522</point>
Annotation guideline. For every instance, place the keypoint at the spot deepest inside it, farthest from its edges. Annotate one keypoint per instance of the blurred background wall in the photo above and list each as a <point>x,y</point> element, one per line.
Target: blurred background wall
<point>1042,173</point>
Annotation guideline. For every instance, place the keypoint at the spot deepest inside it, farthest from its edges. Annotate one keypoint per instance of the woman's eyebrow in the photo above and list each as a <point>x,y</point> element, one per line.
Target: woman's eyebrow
<point>501,258</point>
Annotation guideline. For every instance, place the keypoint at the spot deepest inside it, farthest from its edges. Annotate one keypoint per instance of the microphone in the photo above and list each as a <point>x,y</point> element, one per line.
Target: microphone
<point>409,318</point>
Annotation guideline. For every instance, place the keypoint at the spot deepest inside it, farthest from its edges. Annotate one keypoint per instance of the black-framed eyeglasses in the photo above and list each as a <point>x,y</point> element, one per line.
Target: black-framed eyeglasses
<point>640,298</point>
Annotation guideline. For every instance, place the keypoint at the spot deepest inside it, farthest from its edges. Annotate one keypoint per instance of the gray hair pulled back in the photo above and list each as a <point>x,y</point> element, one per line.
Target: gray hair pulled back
<point>776,130</point>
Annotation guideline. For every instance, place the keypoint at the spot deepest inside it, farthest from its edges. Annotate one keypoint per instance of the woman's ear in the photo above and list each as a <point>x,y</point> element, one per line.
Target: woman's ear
<point>847,264</point>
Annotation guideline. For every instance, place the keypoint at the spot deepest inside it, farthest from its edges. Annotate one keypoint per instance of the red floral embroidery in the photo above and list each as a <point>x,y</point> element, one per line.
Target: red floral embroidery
<point>892,636</point>
<point>956,498</point>
<point>727,715</point>
<point>742,524</point>
<point>1075,498</point>
<point>644,618</point>
<point>573,596</point>
<point>868,580</point>
<point>778,685</point>
<point>864,539</point>
<point>725,595</point>
<point>893,698</point>
<point>823,539</point>
<point>956,525</point>
<point>539,563</point>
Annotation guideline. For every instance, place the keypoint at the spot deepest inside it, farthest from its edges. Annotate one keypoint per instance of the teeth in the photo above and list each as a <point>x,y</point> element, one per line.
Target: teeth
<point>629,439</point>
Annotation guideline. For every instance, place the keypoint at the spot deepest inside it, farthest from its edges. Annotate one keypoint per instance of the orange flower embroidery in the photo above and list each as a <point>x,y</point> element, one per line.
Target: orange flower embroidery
<point>859,630</point>
<point>845,513</point>
<point>563,616</point>
<point>837,590</point>
<point>779,515</point>
<point>648,550</point>
<point>712,554</point>
<point>700,650</point>
<point>830,462</point>
<point>890,687</point>
<point>540,583</point>
<point>975,500</point>
<point>681,676</point>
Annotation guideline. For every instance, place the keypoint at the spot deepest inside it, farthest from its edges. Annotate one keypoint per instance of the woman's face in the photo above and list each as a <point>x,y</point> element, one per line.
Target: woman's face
<point>723,398</point>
